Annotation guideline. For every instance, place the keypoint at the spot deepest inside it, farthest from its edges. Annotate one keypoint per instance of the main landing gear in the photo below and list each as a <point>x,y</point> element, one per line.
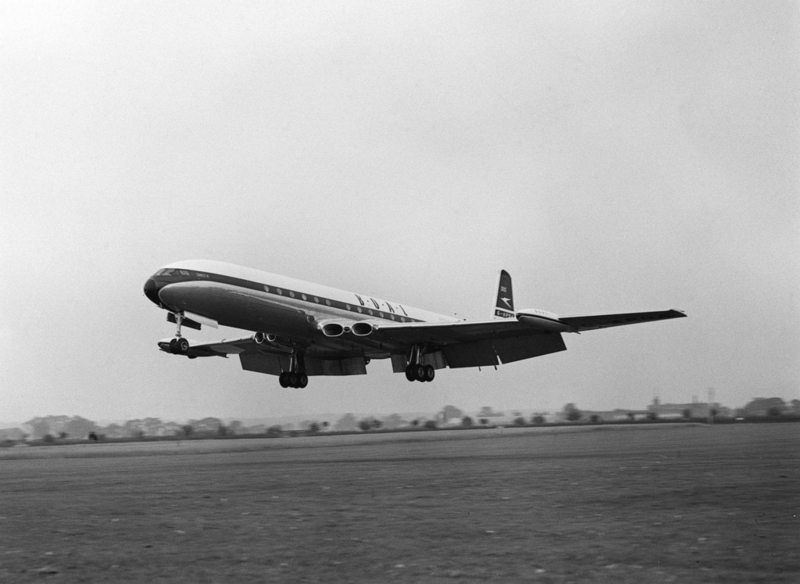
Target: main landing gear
<point>292,379</point>
<point>295,377</point>
<point>420,372</point>
<point>415,370</point>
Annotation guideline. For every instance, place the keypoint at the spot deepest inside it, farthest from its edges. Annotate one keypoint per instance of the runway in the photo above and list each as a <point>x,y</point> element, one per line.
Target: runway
<point>623,504</point>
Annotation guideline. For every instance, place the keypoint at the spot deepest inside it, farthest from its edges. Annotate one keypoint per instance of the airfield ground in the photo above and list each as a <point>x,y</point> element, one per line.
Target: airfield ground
<point>683,503</point>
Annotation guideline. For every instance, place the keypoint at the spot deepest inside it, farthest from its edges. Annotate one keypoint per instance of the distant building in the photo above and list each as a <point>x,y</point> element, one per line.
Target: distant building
<point>695,409</point>
<point>617,415</point>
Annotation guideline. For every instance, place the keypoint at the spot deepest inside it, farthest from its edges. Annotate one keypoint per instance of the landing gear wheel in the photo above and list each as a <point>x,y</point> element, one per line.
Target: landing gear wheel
<point>430,373</point>
<point>302,380</point>
<point>282,380</point>
<point>410,375</point>
<point>291,378</point>
<point>181,346</point>
<point>172,348</point>
<point>419,372</point>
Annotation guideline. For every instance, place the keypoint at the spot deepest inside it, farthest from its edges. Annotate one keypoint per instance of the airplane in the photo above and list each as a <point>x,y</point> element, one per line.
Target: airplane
<point>300,329</point>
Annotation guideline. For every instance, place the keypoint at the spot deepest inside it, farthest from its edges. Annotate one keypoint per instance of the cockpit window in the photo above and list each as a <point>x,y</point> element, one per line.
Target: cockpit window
<point>183,272</point>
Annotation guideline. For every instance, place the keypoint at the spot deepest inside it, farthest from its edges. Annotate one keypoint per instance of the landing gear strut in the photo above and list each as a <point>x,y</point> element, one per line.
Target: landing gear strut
<point>178,345</point>
<point>416,370</point>
<point>296,376</point>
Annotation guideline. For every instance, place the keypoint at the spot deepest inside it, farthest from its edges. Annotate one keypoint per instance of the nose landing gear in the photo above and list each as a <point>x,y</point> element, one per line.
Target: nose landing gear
<point>178,345</point>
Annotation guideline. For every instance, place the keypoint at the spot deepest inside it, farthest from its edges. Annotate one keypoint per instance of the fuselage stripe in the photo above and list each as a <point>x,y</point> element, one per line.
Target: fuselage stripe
<point>358,306</point>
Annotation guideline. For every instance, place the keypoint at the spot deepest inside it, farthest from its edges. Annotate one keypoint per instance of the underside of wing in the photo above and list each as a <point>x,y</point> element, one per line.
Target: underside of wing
<point>221,348</point>
<point>471,344</point>
<point>274,357</point>
<point>599,321</point>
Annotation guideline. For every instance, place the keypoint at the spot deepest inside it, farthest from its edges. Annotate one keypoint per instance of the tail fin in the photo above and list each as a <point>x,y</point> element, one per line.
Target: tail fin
<point>504,303</point>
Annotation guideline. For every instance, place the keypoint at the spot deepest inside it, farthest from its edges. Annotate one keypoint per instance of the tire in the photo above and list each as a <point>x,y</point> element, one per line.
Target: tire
<point>430,372</point>
<point>172,348</point>
<point>419,372</point>
<point>302,380</point>
<point>292,379</point>
<point>410,373</point>
<point>282,380</point>
<point>182,346</point>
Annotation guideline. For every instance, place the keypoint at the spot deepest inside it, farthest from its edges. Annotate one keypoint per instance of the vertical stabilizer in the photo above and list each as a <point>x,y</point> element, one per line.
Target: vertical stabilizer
<point>504,303</point>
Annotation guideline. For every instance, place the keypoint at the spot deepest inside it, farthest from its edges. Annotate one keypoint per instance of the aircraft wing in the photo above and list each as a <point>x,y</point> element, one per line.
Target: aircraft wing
<point>481,343</point>
<point>274,357</point>
<point>471,343</point>
<point>456,344</point>
<point>598,321</point>
<point>447,344</point>
<point>448,332</point>
<point>221,348</point>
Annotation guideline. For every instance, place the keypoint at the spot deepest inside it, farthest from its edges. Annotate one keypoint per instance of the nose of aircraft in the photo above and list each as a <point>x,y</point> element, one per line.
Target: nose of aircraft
<point>151,291</point>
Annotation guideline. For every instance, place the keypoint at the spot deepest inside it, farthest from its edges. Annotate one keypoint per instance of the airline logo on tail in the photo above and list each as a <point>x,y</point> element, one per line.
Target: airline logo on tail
<point>504,304</point>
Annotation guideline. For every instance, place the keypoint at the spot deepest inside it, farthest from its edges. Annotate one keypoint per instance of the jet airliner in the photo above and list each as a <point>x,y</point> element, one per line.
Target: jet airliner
<point>299,329</point>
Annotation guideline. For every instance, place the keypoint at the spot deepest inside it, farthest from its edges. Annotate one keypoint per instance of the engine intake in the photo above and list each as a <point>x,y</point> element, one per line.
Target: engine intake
<point>362,329</point>
<point>261,338</point>
<point>332,329</point>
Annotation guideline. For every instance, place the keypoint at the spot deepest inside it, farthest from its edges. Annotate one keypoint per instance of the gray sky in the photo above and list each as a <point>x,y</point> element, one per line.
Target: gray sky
<point>612,156</point>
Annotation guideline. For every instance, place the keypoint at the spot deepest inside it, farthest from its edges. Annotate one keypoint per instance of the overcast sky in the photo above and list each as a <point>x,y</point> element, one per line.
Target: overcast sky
<point>612,156</point>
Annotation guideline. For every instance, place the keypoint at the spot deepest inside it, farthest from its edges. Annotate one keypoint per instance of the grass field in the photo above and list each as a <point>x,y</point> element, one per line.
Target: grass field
<point>630,504</point>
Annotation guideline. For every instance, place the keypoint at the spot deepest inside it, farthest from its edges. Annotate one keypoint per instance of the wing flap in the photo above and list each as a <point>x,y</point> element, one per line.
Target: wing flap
<point>506,350</point>
<point>274,364</point>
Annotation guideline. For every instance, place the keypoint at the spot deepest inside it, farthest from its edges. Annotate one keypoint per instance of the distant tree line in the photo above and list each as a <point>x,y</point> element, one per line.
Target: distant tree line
<point>60,428</point>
